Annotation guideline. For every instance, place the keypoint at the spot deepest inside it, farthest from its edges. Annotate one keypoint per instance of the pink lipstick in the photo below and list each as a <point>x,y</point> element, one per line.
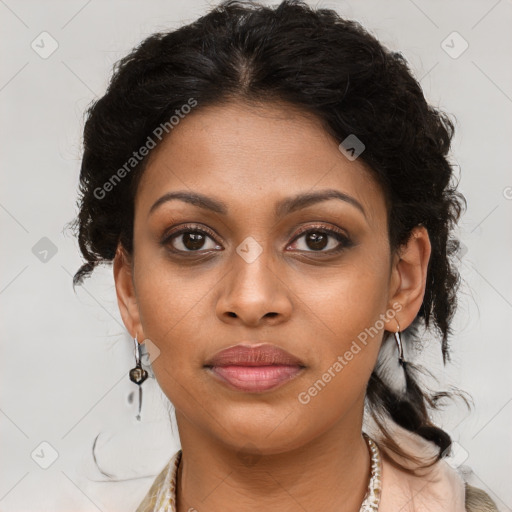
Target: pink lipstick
<point>254,368</point>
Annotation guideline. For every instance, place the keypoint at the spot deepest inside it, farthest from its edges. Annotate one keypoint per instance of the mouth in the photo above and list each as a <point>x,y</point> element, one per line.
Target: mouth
<point>254,368</point>
<point>255,378</point>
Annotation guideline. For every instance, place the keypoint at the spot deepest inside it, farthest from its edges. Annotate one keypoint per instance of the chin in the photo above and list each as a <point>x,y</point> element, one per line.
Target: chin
<point>268,433</point>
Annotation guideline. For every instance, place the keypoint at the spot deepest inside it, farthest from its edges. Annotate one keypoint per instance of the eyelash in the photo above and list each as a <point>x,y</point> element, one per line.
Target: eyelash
<point>345,241</point>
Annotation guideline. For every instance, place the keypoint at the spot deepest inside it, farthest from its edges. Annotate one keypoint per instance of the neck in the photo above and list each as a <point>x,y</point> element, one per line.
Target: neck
<point>331,472</point>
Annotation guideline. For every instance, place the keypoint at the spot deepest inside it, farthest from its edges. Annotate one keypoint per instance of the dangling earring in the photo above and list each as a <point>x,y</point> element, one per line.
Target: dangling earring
<point>398,340</point>
<point>138,374</point>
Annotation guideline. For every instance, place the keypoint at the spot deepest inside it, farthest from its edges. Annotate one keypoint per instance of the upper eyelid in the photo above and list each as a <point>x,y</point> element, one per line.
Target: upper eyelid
<point>321,226</point>
<point>302,231</point>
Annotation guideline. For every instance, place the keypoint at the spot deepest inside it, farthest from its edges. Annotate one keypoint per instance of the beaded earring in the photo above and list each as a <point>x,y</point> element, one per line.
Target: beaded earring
<point>138,374</point>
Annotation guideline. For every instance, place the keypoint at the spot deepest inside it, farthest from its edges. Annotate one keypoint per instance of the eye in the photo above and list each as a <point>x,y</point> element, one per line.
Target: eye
<point>190,239</point>
<point>317,239</point>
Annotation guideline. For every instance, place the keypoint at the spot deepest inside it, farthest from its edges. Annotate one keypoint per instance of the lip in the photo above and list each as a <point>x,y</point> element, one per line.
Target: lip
<point>261,354</point>
<point>254,368</point>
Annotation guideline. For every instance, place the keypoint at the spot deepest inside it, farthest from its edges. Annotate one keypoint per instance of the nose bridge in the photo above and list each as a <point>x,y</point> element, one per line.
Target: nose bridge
<point>253,288</point>
<point>252,267</point>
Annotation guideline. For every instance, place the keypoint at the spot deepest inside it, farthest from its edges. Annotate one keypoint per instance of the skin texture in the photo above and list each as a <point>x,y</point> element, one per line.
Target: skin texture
<point>265,451</point>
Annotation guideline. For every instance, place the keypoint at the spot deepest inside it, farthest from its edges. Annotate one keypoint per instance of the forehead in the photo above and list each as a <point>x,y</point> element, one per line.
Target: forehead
<point>248,154</point>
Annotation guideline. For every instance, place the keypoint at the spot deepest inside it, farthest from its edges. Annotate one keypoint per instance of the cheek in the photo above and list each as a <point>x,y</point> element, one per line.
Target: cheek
<point>177,316</point>
<point>163,307</point>
<point>348,311</point>
<point>348,300</point>
<point>166,299</point>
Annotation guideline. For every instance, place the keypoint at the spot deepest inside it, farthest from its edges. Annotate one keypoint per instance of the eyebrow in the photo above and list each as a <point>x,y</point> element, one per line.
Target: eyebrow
<point>282,208</point>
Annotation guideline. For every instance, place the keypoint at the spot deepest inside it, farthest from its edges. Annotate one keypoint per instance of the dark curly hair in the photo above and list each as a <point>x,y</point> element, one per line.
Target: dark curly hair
<point>314,60</point>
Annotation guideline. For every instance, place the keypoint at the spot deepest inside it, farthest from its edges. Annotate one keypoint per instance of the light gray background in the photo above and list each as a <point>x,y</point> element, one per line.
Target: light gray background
<point>65,357</point>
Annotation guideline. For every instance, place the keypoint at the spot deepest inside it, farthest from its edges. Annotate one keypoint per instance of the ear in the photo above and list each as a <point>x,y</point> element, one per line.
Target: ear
<point>125,291</point>
<point>408,279</point>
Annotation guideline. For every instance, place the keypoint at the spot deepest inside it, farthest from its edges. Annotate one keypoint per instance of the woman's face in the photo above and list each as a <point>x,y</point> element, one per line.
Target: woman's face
<point>268,267</point>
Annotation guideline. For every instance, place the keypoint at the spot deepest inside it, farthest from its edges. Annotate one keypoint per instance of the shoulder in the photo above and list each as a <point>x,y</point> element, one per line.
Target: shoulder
<point>438,488</point>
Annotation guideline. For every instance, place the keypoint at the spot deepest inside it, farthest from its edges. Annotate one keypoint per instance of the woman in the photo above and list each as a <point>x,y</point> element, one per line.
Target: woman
<point>275,195</point>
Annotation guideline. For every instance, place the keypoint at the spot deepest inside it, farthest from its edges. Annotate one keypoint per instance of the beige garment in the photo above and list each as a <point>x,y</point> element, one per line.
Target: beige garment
<point>435,489</point>
<point>161,496</point>
<point>438,489</point>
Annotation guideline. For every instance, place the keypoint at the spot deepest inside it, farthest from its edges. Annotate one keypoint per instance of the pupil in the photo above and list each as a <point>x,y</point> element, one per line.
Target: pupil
<point>318,240</point>
<point>193,241</point>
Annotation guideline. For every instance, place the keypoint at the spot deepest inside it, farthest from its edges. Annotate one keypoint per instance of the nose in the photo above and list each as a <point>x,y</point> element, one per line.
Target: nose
<point>253,293</point>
